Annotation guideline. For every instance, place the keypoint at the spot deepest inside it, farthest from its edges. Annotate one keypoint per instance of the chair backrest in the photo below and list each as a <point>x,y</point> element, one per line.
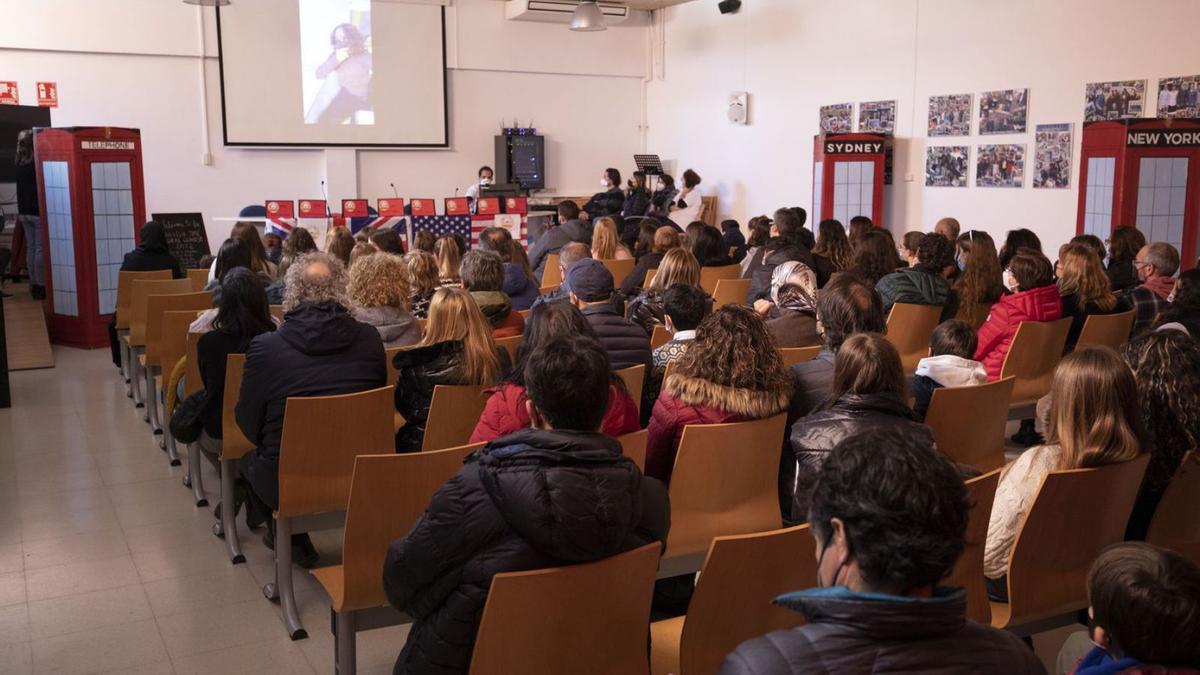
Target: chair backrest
<point>650,273</point>
<point>1035,352</point>
<point>388,494</point>
<point>321,437</point>
<point>633,446</point>
<point>709,276</point>
<point>725,481</point>
<point>731,292</point>
<point>909,329</point>
<point>635,380</point>
<point>1107,330</point>
<point>139,303</point>
<point>793,355</point>
<point>1075,515</point>
<point>660,336</point>
<point>551,274</point>
<point>157,305</point>
<point>191,375</point>
<point>234,443</point>
<point>619,268</point>
<point>968,422</point>
<point>453,414</point>
<point>588,619</point>
<point>974,313</point>
<point>199,277</point>
<point>732,601</point>
<point>968,572</point>
<point>392,373</point>
<point>173,344</point>
<point>277,311</point>
<point>125,291</point>
<point>509,344</point>
<point>1176,521</point>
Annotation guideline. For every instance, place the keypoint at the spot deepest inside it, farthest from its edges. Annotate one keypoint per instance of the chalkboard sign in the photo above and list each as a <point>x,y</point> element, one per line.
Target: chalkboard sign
<point>186,237</point>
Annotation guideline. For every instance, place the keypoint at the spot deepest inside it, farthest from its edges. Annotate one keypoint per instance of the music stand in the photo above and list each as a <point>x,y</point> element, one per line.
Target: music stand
<point>650,165</point>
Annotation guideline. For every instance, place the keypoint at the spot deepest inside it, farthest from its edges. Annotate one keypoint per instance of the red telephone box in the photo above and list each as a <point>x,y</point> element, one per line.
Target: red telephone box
<point>92,203</point>
<point>1145,173</point>
<point>848,176</point>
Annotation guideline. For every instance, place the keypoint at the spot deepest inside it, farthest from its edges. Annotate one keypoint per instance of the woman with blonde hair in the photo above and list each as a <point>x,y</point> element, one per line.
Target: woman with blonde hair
<point>457,350</point>
<point>424,278</point>
<point>606,244</point>
<point>678,266</point>
<point>1085,289</point>
<point>449,259</point>
<point>379,296</point>
<point>1094,421</point>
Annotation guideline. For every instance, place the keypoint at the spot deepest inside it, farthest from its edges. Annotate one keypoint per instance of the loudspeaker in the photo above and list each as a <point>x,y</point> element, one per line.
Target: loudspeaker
<point>729,6</point>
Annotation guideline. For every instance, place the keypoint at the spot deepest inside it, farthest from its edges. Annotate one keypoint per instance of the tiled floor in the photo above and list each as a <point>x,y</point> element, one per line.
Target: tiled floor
<point>105,564</point>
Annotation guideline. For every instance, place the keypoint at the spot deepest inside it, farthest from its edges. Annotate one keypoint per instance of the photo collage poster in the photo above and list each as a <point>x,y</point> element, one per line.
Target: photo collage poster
<point>1179,97</point>
<point>1003,112</point>
<point>1052,156</point>
<point>946,165</point>
<point>837,118</point>
<point>1001,165</point>
<point>1114,100</point>
<point>877,117</point>
<point>950,115</point>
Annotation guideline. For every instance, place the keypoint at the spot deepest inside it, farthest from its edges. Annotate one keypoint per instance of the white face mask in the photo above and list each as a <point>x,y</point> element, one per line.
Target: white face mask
<point>485,181</point>
<point>1009,282</point>
<point>604,183</point>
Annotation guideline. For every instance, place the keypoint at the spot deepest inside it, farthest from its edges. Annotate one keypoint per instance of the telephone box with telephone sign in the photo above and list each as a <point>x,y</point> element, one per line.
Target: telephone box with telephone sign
<point>848,177</point>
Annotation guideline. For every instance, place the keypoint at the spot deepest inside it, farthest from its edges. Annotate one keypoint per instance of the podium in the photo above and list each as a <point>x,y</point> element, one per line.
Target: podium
<point>90,181</point>
<point>848,177</point>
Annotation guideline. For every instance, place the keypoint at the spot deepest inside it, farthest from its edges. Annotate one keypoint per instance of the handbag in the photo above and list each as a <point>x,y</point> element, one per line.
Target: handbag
<point>186,422</point>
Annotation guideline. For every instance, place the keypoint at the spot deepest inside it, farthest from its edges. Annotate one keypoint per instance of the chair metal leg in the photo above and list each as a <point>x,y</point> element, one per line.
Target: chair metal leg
<point>193,478</point>
<point>150,395</point>
<point>283,588</point>
<point>135,378</point>
<point>172,450</point>
<point>227,527</point>
<point>344,643</point>
<point>124,349</point>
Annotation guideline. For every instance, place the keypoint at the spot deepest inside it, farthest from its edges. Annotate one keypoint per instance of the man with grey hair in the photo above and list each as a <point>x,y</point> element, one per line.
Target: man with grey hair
<point>568,255</point>
<point>1156,265</point>
<point>320,350</point>
<point>482,274</point>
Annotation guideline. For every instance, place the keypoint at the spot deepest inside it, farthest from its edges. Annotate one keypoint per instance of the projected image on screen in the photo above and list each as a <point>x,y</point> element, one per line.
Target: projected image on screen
<point>336,62</point>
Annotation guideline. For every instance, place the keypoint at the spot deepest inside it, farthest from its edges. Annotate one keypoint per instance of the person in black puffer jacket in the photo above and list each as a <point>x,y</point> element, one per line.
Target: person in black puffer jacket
<point>592,290</point>
<point>785,245</point>
<point>868,393</point>
<point>559,493</point>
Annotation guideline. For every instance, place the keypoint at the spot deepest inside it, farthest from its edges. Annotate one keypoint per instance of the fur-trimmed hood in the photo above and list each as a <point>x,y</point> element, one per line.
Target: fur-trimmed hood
<point>751,403</point>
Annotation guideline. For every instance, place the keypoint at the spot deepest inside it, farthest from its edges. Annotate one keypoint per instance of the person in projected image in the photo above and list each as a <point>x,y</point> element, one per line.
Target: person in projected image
<point>347,79</point>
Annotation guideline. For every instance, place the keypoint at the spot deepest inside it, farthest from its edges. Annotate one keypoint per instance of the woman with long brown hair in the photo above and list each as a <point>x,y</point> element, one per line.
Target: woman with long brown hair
<point>731,372</point>
<point>833,245</point>
<point>606,244</point>
<point>678,266</point>
<point>259,263</point>
<point>423,274</point>
<point>1085,289</point>
<point>457,349</point>
<point>980,283</point>
<point>874,257</point>
<point>1123,247</point>
<point>449,259</point>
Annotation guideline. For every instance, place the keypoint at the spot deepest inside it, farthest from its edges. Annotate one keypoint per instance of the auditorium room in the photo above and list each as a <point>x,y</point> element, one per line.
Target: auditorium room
<point>599,337</point>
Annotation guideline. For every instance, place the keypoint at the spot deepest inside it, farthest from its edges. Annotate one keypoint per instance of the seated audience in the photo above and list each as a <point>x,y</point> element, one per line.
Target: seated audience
<point>449,261</point>
<point>570,228</point>
<point>730,373</point>
<point>980,282</point>
<point>1094,421</point>
<point>424,277</point>
<point>299,243</point>
<point>152,254</point>
<point>678,266</point>
<point>339,244</point>
<point>1184,310</point>
<point>662,239</point>
<point>734,240</point>
<point>924,282</point>
<point>248,233</point>
<point>889,518</point>
<point>506,411</point>
<point>1123,246</point>
<point>379,296</point>
<point>1166,368</point>
<point>1092,242</point>
<point>567,256</point>
<point>362,249</point>
<point>273,244</point>
<point>832,252</point>
<point>684,308</point>
<point>519,284</point>
<point>910,244</point>
<point>605,242</point>
<point>559,493</point>
<point>425,241</point>
<point>868,394</point>
<point>610,201</point>
<point>791,312</point>
<point>482,275</point>
<point>663,197</point>
<point>1144,612</point>
<point>948,228</point>
<point>760,233</point>
<point>874,258</point>
<point>785,244</point>
<point>1016,240</point>
<point>709,248</point>
<point>860,226</point>
<point>688,206</point>
<point>949,364</point>
<point>232,255</point>
<point>637,197</point>
<point>1084,289</point>
<point>1034,298</point>
<point>388,241</point>
<point>457,350</point>
<point>591,291</point>
<point>1155,265</point>
<point>319,350</point>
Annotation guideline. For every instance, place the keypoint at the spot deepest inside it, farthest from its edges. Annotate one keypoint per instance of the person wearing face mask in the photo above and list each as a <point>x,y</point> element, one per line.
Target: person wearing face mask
<point>688,206</point>
<point>889,518</point>
<point>1030,277</point>
<point>485,179</point>
<point>663,196</point>
<point>637,197</point>
<point>608,202</point>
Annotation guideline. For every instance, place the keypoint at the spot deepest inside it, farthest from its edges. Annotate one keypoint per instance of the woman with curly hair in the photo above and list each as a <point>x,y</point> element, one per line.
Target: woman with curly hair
<point>924,283</point>
<point>379,296</point>
<point>875,257</point>
<point>1084,288</point>
<point>732,372</point>
<point>1184,310</point>
<point>980,282</point>
<point>832,252</point>
<point>424,278</point>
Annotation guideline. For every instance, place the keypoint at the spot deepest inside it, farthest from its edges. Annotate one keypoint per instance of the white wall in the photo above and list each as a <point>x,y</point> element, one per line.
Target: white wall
<point>794,57</point>
<point>137,63</point>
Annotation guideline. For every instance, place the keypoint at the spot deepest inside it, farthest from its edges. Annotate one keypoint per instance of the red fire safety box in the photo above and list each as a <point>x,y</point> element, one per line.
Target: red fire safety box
<point>848,176</point>
<point>1145,173</point>
<point>92,202</point>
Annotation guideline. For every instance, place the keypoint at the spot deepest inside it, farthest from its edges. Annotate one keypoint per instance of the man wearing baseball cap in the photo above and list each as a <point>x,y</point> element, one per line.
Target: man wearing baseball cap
<point>591,287</point>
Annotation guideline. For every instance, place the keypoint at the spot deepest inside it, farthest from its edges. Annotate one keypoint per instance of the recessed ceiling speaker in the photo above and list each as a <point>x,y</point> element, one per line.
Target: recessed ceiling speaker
<point>729,6</point>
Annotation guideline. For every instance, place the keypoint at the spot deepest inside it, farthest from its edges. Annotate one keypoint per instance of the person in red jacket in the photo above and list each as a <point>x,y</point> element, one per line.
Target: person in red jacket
<point>732,372</point>
<point>506,411</point>
<point>1035,298</point>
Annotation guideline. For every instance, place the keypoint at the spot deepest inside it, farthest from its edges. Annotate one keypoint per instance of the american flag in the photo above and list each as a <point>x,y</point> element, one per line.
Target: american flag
<point>441,225</point>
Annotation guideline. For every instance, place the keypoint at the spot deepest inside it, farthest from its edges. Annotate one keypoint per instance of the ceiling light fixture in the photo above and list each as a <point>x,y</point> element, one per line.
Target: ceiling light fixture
<point>587,17</point>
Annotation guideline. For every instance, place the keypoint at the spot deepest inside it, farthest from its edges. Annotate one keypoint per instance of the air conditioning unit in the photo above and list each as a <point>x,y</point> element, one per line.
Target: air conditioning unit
<point>560,11</point>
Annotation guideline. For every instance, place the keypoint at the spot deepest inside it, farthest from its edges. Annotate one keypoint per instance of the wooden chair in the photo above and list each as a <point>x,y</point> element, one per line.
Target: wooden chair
<point>633,446</point>
<point>234,446</point>
<point>968,422</point>
<point>172,347</point>
<point>732,601</point>
<point>974,313</point>
<point>124,299</point>
<point>709,276</point>
<point>1075,515</point>
<point>660,336</point>
<point>134,341</point>
<point>321,437</point>
<point>1176,521</point>
<point>509,344</point>
<point>277,311</point>
<point>968,573</point>
<point>150,359</point>
<point>542,621</point>
<point>635,380</point>
<point>725,481</point>
<point>453,414</point>
<point>793,355</point>
<point>1034,354</point>
<point>388,494</point>
<point>192,384</point>
<point>909,329</point>
<point>525,313</point>
<point>650,277</point>
<point>392,373</point>
<point>551,273</point>
<point>1107,330</point>
<point>619,268</point>
<point>199,277</point>
<point>731,292</point>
